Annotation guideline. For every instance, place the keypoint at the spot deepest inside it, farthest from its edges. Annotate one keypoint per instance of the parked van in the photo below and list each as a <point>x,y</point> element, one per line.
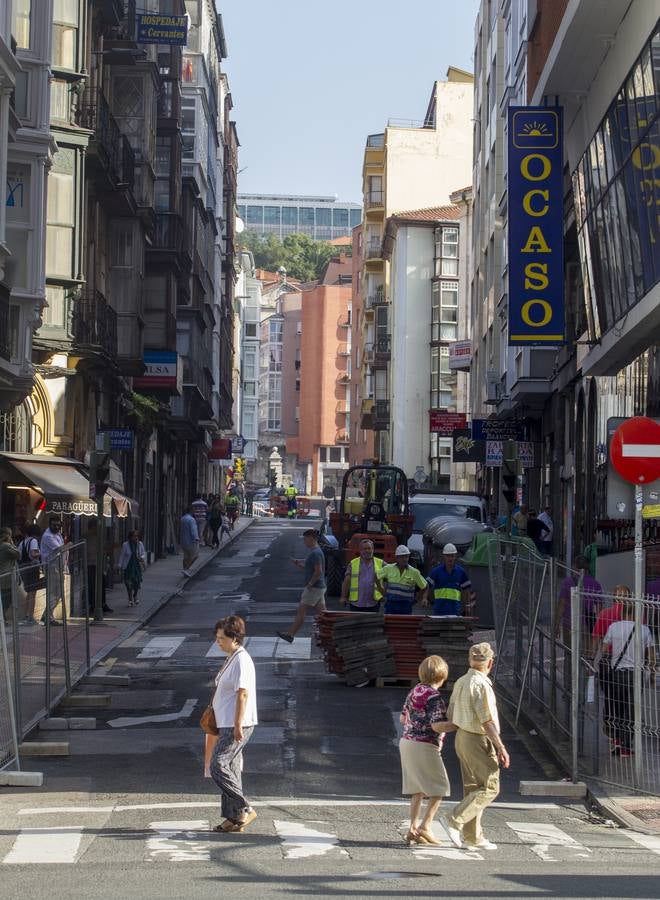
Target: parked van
<point>427,506</point>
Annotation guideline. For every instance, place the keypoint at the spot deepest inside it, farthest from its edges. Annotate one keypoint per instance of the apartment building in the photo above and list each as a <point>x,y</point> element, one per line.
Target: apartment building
<point>409,166</point>
<point>246,394</point>
<point>322,218</point>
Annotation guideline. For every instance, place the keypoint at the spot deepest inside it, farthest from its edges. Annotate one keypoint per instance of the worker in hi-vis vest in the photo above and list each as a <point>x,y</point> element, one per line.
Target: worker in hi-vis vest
<point>291,493</point>
<point>451,586</point>
<point>359,586</point>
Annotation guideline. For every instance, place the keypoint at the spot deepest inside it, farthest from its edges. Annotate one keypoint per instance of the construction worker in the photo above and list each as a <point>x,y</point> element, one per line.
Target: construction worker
<point>399,582</point>
<point>291,493</point>
<point>359,588</point>
<point>451,586</point>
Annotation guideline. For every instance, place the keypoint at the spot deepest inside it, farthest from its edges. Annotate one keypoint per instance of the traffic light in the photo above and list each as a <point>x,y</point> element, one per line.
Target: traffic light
<point>239,468</point>
<point>99,470</point>
<point>509,490</point>
<point>510,471</point>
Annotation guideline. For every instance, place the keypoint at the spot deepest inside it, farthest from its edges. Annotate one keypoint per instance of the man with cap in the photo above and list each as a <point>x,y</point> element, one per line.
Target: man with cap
<point>399,582</point>
<point>450,585</point>
<point>473,709</point>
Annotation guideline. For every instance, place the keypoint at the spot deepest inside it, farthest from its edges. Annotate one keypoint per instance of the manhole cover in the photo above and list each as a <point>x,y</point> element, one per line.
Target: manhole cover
<point>645,813</point>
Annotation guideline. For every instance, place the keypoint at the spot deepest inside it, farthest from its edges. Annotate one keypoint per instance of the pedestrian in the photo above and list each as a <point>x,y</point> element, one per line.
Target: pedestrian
<point>92,546</point>
<point>225,526</point>
<point>399,583</point>
<point>189,540</point>
<point>215,520</point>
<point>479,747</point>
<point>591,592</point>
<point>520,519</point>
<point>359,588</point>
<point>601,662</point>
<point>30,556</point>
<point>618,646</point>
<point>424,720</point>
<point>132,562</point>
<point>451,586</point>
<point>51,542</point>
<point>199,508</point>
<point>535,529</point>
<point>291,494</point>
<point>235,709</point>
<point>313,595</point>
<point>9,556</point>
<point>548,531</point>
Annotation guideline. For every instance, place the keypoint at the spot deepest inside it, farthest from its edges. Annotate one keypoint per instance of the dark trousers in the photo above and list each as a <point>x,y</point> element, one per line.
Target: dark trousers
<point>226,772</point>
<point>622,706</point>
<point>354,608</point>
<point>91,587</point>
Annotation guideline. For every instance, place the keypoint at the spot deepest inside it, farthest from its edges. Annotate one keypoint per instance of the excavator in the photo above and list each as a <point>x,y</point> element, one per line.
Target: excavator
<point>374,505</point>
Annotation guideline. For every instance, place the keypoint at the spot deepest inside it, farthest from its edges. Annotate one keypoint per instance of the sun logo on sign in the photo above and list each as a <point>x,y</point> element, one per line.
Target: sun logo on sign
<point>535,129</point>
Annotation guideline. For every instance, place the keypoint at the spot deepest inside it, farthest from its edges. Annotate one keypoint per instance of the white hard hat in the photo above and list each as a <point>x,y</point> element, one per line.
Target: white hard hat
<point>448,549</point>
<point>402,550</point>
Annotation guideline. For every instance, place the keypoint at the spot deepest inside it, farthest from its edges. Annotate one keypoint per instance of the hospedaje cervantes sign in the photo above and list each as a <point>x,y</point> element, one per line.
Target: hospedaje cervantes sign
<point>536,229</point>
<point>154,29</point>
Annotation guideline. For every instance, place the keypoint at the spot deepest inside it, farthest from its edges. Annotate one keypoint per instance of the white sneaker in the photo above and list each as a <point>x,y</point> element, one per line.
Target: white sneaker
<point>483,844</point>
<point>453,834</point>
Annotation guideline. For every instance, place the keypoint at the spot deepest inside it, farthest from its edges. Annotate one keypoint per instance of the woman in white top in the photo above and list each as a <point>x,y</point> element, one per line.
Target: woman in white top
<point>619,644</point>
<point>132,562</point>
<point>235,708</point>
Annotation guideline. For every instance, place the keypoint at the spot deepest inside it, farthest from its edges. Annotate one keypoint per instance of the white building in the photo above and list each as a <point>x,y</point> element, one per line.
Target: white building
<point>246,395</point>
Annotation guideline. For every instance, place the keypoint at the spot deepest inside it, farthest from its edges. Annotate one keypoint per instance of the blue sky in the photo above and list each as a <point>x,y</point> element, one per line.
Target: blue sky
<point>309,82</point>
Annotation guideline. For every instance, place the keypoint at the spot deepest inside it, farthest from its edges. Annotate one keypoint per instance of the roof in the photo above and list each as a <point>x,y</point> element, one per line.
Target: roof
<point>339,270</point>
<point>430,214</point>
<point>344,241</point>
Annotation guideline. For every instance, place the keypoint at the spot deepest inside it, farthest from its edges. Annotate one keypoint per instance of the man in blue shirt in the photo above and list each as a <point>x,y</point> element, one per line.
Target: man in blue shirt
<point>451,586</point>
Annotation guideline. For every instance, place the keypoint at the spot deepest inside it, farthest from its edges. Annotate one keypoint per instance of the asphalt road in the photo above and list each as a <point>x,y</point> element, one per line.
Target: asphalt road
<point>128,813</point>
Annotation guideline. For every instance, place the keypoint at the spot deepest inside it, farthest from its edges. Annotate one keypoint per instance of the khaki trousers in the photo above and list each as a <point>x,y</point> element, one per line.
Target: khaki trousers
<point>481,782</point>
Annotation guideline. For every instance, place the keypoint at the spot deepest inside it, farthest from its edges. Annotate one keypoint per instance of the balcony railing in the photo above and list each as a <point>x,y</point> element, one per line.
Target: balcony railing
<point>373,250</point>
<point>374,200</point>
<point>94,324</point>
<point>383,345</point>
<point>169,232</point>
<point>342,437</point>
<point>343,406</point>
<point>344,350</point>
<point>5,342</point>
<point>381,414</point>
<point>377,299</point>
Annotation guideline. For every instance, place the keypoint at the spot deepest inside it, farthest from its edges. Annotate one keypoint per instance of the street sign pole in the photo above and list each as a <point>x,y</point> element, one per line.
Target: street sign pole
<point>100,552</point>
<point>639,645</point>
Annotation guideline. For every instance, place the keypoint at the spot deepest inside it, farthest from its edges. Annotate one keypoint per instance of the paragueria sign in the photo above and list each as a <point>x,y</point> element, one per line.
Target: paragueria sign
<point>536,226</point>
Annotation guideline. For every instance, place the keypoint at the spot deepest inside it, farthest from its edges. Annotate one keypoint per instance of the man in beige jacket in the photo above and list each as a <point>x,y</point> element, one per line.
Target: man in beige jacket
<point>479,747</point>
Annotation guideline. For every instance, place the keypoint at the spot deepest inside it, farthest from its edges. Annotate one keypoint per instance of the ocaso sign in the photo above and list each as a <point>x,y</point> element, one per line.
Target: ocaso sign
<point>536,238</point>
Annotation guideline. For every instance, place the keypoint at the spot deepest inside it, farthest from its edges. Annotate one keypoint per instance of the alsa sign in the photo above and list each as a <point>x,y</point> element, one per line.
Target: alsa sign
<point>536,231</point>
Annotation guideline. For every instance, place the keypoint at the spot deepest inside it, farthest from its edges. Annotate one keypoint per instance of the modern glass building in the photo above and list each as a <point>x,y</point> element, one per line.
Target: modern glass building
<point>322,218</point>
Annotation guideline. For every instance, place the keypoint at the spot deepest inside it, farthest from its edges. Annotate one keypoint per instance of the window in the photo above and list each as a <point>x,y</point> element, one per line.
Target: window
<point>375,190</point>
<point>250,366</point>
<point>442,395</point>
<point>60,96</point>
<point>290,216</point>
<point>323,217</point>
<point>444,311</point>
<point>356,217</point>
<point>241,211</point>
<point>340,218</point>
<point>255,215</point>
<point>249,389</point>
<point>21,95</point>
<point>61,215</point>
<point>188,127</point>
<point>306,217</point>
<point>335,454</point>
<point>250,329</point>
<point>19,230</point>
<point>297,384</point>
<point>271,215</point>
<point>323,457</point>
<point>121,243</point>
<point>65,33</point>
<point>449,251</point>
<point>20,25</point>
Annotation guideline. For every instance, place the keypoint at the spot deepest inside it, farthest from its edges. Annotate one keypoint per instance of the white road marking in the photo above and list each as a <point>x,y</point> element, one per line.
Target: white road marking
<point>649,841</point>
<point>178,842</point>
<point>300,841</point>
<point>275,802</point>
<point>127,721</point>
<point>270,648</point>
<point>443,851</point>
<point>45,846</point>
<point>543,837</point>
<point>649,451</point>
<point>301,648</point>
<point>161,647</point>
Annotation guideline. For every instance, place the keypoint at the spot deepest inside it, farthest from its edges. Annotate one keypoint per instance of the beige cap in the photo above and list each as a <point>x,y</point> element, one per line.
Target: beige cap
<point>481,652</point>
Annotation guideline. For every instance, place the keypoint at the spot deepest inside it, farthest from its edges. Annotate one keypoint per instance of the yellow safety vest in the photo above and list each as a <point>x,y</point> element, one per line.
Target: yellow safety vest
<point>355,579</point>
<point>291,491</point>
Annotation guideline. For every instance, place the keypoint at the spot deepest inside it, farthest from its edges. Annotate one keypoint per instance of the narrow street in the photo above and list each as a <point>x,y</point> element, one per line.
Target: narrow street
<point>129,813</point>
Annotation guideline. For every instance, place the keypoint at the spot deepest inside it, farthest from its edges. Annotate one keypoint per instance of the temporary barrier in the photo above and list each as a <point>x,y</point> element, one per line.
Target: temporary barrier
<point>8,730</point>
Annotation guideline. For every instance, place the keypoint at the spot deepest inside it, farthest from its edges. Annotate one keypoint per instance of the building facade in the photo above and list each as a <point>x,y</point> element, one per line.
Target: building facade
<point>322,218</point>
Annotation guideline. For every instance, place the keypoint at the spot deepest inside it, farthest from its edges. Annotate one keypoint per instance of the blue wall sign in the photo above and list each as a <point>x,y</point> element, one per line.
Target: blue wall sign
<point>155,29</point>
<point>120,438</point>
<point>536,226</point>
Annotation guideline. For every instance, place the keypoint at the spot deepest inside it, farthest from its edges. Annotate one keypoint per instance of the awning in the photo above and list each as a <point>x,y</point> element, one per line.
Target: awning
<point>63,483</point>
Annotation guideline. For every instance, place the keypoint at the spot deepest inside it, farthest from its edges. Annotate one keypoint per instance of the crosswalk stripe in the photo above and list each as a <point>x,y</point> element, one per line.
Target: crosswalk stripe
<point>649,841</point>
<point>542,837</point>
<point>300,841</point>
<point>178,842</point>
<point>270,648</point>
<point>45,846</point>
<point>161,647</point>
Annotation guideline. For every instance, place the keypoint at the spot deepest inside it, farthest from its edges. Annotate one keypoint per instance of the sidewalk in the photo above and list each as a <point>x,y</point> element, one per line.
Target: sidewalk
<point>162,580</point>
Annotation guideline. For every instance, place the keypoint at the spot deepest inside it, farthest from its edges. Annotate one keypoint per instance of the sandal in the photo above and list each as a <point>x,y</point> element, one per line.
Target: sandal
<point>227,826</point>
<point>414,837</point>
<point>249,818</point>
<point>428,837</point>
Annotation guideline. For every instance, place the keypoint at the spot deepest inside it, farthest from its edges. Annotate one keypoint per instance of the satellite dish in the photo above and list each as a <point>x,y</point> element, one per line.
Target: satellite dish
<point>240,225</point>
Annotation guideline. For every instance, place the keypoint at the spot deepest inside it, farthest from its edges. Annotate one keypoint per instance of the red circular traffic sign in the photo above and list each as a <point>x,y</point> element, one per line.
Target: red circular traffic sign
<point>635,450</point>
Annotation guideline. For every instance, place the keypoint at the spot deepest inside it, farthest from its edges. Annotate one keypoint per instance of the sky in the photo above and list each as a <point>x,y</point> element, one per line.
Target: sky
<point>309,82</point>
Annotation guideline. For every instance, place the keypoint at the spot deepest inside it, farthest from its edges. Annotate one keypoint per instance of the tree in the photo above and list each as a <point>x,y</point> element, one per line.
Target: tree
<point>302,256</point>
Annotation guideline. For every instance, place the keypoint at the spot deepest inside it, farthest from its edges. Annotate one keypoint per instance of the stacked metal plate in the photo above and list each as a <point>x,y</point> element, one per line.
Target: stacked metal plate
<point>355,647</point>
<point>449,637</point>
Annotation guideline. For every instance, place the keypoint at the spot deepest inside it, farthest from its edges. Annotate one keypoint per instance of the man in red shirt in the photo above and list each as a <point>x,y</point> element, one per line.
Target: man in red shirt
<point>606,616</point>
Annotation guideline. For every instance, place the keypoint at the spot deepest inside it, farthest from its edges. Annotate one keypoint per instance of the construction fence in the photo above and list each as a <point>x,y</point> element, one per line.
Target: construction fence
<point>44,641</point>
<point>580,664</point>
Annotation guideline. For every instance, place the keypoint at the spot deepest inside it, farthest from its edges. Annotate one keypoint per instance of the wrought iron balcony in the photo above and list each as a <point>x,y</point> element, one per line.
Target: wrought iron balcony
<point>94,325</point>
<point>375,200</point>
<point>373,250</point>
<point>383,346</point>
<point>169,232</point>
<point>5,342</point>
<point>381,414</point>
<point>109,149</point>
<point>377,299</point>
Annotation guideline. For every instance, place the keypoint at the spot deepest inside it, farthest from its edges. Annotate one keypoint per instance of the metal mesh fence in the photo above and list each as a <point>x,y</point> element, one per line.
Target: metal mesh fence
<point>550,663</point>
<point>8,733</point>
<point>46,636</point>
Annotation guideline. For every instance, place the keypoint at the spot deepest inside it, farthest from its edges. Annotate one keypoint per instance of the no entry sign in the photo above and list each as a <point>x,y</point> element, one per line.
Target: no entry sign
<point>635,450</point>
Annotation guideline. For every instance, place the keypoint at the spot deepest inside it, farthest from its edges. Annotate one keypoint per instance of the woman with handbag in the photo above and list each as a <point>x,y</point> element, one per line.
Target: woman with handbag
<point>234,708</point>
<point>132,562</point>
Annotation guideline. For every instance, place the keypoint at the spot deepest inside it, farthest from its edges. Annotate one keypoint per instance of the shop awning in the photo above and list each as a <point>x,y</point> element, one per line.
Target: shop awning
<point>63,483</point>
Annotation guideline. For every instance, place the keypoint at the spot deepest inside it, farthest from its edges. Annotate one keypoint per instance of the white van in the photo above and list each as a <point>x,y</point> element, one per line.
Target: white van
<point>427,506</point>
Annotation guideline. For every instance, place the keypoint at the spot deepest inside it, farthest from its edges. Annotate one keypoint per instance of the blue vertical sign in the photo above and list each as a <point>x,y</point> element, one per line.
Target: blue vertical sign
<point>536,226</point>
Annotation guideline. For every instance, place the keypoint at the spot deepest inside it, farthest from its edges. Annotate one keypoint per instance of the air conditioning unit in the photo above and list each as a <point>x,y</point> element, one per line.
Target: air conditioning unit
<point>492,386</point>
